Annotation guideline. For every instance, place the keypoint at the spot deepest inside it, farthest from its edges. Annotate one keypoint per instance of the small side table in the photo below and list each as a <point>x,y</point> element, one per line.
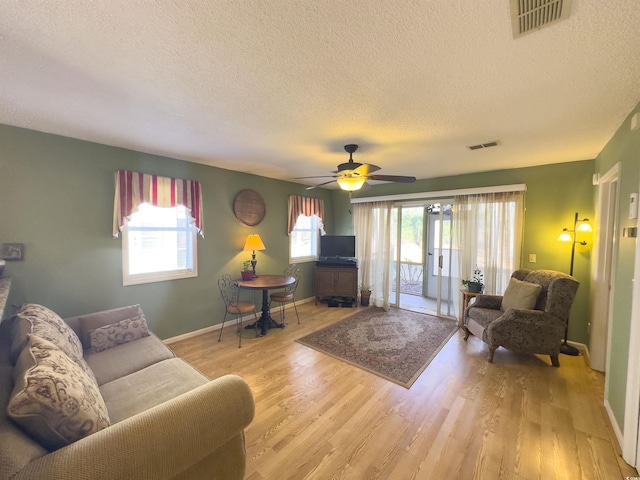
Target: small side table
<point>466,299</point>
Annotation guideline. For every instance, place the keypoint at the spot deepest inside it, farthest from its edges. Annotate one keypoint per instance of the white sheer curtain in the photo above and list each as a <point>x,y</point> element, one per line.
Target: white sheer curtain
<point>372,222</point>
<point>487,232</point>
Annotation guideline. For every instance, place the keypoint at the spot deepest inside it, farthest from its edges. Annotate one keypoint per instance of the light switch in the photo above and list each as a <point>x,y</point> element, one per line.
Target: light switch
<point>532,258</point>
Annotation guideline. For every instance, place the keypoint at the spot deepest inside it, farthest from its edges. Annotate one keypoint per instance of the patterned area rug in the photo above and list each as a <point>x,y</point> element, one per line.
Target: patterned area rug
<point>397,345</point>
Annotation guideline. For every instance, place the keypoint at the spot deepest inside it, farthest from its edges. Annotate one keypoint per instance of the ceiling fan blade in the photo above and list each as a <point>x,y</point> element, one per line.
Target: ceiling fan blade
<point>317,176</point>
<point>321,184</point>
<point>365,169</point>
<point>392,178</point>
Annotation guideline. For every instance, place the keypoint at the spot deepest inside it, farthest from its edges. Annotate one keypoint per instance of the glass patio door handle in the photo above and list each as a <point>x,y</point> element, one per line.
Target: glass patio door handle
<point>440,259</point>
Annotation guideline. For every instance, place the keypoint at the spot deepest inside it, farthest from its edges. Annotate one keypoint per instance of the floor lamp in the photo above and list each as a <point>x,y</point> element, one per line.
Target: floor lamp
<point>569,236</point>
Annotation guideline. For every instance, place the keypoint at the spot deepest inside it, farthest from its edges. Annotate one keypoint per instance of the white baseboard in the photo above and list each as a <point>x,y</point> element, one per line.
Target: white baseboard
<point>195,333</point>
<point>583,348</point>
<point>217,326</point>
<point>614,424</point>
<point>612,419</point>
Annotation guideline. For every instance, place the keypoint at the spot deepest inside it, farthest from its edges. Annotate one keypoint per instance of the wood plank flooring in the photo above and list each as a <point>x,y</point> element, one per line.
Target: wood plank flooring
<point>320,418</point>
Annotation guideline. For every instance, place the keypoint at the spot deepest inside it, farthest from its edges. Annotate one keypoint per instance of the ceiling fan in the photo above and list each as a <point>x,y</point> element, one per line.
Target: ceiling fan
<point>352,176</point>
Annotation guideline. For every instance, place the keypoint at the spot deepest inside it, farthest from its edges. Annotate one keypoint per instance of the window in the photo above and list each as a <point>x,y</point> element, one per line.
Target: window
<point>158,244</point>
<point>303,240</point>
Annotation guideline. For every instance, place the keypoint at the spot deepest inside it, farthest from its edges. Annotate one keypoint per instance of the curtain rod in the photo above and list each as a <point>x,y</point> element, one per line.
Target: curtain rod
<point>518,187</point>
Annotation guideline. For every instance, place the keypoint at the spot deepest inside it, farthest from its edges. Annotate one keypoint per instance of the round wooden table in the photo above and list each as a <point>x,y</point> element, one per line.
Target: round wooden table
<point>266,283</point>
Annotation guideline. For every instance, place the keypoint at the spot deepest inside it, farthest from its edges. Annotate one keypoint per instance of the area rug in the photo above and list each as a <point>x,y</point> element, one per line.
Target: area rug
<point>396,345</point>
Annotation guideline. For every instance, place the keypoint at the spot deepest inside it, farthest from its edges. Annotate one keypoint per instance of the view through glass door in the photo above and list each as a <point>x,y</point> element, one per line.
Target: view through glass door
<point>421,251</point>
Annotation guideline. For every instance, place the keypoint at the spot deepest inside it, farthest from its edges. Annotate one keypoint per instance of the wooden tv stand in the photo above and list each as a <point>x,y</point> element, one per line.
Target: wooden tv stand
<point>337,281</point>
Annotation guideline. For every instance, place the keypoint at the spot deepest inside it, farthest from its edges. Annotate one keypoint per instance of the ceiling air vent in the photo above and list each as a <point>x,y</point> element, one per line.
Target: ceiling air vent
<point>531,15</point>
<point>495,143</point>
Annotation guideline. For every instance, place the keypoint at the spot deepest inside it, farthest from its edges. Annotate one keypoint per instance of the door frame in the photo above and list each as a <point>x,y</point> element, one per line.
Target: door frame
<point>442,290</point>
<point>603,272</point>
<point>399,207</point>
<point>631,443</point>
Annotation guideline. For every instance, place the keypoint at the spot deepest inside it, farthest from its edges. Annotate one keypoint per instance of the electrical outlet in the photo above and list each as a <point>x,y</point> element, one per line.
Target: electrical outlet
<point>532,258</point>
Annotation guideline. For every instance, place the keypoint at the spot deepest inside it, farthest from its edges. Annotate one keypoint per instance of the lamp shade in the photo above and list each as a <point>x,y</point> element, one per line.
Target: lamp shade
<point>350,184</point>
<point>565,237</point>
<point>584,226</point>
<point>254,242</point>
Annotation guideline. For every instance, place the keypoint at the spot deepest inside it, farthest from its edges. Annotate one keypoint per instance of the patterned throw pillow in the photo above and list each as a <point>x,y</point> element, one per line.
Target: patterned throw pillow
<point>118,333</point>
<point>53,399</point>
<point>47,324</point>
<point>107,317</point>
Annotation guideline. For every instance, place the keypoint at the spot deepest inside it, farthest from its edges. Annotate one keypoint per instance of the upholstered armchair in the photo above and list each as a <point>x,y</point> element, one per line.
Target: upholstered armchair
<point>530,317</point>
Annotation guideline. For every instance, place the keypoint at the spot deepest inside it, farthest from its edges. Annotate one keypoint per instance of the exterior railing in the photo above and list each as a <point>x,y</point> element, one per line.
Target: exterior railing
<point>411,277</point>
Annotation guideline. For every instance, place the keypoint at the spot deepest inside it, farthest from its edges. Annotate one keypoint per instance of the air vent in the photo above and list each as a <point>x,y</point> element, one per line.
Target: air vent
<point>495,143</point>
<point>530,15</point>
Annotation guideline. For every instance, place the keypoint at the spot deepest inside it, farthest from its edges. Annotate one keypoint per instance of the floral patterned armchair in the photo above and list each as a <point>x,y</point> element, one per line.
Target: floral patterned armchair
<point>530,317</point>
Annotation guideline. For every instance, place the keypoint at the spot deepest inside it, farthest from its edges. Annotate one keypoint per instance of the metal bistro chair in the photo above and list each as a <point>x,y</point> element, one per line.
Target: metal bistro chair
<point>230,295</point>
<point>289,292</point>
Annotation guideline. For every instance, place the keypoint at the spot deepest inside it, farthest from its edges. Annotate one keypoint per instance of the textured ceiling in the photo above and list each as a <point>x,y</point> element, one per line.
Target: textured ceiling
<point>277,87</point>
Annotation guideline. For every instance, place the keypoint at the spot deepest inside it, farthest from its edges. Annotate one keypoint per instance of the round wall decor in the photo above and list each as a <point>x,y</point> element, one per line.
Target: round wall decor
<point>249,207</point>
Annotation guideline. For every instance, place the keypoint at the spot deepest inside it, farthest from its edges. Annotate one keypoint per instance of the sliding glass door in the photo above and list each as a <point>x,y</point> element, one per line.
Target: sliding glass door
<point>421,252</point>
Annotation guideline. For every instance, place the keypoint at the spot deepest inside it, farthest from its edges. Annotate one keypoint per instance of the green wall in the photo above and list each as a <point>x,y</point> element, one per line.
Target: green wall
<point>554,194</point>
<point>623,148</point>
<point>56,197</point>
<point>342,217</point>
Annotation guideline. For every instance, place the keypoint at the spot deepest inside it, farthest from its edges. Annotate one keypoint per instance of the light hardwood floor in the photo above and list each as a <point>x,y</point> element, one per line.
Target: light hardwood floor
<point>321,418</point>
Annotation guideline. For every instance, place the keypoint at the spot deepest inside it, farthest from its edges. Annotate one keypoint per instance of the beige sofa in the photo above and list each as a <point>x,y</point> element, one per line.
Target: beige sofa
<point>167,420</point>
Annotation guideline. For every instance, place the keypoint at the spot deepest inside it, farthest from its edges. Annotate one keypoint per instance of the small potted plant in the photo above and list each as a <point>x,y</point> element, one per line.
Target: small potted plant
<point>247,272</point>
<point>475,284</point>
<point>365,294</point>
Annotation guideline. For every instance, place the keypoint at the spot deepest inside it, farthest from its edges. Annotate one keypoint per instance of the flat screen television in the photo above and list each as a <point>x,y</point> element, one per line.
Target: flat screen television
<point>343,246</point>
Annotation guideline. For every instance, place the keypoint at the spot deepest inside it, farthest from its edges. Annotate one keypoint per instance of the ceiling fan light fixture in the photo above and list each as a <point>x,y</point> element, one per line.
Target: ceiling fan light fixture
<point>352,176</point>
<point>350,184</point>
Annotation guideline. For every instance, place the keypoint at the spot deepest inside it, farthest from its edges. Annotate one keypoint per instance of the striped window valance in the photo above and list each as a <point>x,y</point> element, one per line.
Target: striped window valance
<point>304,206</point>
<point>134,188</point>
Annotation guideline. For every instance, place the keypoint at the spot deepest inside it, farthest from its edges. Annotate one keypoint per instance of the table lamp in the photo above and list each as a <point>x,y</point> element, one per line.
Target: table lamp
<point>253,243</point>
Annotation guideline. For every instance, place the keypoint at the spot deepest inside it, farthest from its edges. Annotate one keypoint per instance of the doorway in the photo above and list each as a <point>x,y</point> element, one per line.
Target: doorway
<point>599,329</point>
<point>421,251</point>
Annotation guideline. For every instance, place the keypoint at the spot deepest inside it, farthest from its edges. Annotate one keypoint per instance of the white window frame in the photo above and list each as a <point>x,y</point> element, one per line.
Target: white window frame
<point>166,275</point>
<point>316,225</point>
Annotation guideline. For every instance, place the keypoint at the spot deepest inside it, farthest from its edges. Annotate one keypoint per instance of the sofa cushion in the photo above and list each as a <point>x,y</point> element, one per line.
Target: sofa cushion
<point>151,386</point>
<point>53,399</point>
<point>478,319</point>
<point>124,331</point>
<point>20,331</point>
<point>17,448</point>
<point>104,318</point>
<point>520,295</point>
<point>127,358</point>
<point>47,324</point>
